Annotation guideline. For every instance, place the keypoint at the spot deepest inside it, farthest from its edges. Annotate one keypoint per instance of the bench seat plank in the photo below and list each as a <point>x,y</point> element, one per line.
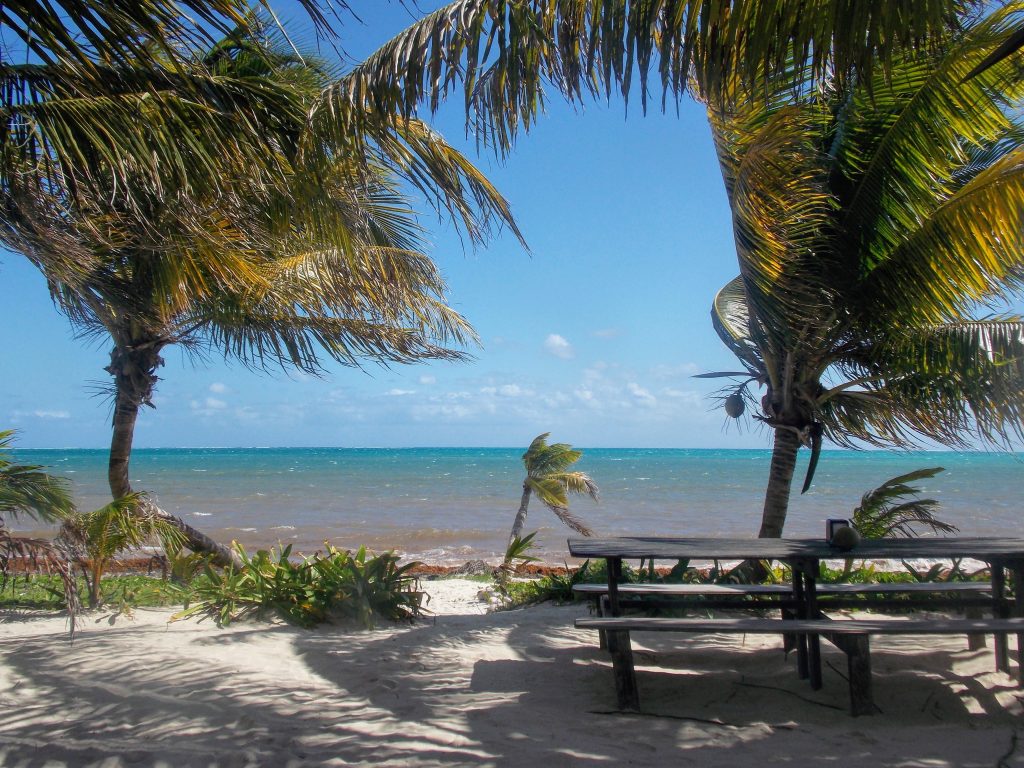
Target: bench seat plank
<point>785,589</point>
<point>805,626</point>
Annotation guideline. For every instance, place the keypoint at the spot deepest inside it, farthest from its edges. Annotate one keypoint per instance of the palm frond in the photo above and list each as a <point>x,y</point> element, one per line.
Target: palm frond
<point>730,318</point>
<point>878,515</point>
<point>27,491</point>
<point>579,482</point>
<point>552,493</point>
<point>906,138</point>
<point>39,556</point>
<point>502,53</point>
<point>969,249</point>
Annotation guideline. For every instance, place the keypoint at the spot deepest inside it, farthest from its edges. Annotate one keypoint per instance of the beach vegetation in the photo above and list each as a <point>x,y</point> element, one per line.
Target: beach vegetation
<point>334,585</point>
<point>878,225</point>
<point>123,592</point>
<point>549,478</point>
<point>517,555</point>
<point>29,493</point>
<point>124,524</point>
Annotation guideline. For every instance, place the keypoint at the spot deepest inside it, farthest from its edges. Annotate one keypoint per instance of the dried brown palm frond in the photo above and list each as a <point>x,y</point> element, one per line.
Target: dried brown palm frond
<point>20,555</point>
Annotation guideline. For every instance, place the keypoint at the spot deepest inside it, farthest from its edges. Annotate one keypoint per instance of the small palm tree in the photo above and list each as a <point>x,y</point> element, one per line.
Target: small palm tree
<point>547,475</point>
<point>126,523</point>
<point>882,511</point>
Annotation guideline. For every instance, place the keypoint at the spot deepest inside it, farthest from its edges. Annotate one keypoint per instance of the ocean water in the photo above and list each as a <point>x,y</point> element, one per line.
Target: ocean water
<point>450,505</point>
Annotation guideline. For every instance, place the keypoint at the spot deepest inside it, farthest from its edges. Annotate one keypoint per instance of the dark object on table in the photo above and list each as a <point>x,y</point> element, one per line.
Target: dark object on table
<point>845,538</point>
<point>833,524</point>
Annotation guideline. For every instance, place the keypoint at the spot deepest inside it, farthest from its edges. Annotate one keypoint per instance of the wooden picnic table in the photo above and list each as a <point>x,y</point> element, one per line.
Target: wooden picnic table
<point>1004,556</point>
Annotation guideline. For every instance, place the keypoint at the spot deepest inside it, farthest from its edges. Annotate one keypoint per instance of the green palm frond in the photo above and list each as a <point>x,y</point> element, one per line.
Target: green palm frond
<point>27,491</point>
<point>543,459</point>
<point>123,524</point>
<point>781,209</point>
<point>502,53</point>
<point>906,135</point>
<point>120,31</point>
<point>968,249</point>
<point>579,482</point>
<point>553,493</point>
<point>878,515</point>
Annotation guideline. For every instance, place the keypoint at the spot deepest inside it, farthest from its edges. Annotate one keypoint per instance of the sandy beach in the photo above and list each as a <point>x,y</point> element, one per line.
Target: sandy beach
<point>469,687</point>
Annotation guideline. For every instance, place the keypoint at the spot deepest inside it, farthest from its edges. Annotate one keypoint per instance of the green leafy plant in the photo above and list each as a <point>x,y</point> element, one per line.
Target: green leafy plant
<point>336,583</point>
<point>126,523</point>
<point>517,554</point>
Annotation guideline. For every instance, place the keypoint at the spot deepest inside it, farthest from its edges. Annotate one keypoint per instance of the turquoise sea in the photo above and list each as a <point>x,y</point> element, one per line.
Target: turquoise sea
<point>449,505</point>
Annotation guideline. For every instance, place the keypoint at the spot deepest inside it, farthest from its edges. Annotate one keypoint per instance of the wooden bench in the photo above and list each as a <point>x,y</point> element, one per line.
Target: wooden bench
<point>722,595</point>
<point>851,636</point>
<point>754,590</point>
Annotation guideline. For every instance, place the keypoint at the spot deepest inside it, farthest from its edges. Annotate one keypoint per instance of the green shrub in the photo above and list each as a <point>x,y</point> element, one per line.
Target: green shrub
<point>336,584</point>
<point>46,592</point>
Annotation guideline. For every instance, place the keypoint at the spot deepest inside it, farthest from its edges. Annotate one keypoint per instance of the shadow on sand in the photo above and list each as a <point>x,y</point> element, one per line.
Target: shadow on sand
<point>519,688</point>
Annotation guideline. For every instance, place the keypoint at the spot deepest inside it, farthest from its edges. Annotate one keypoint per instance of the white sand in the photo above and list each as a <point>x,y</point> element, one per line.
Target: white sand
<point>517,688</point>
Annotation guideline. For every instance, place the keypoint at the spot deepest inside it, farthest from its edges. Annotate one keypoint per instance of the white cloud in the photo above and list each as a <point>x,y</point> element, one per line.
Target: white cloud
<point>428,380</point>
<point>511,390</point>
<point>52,414</point>
<point>558,346</point>
<point>218,388</point>
<point>642,396</point>
<point>607,333</point>
<point>399,392</point>
<point>208,406</point>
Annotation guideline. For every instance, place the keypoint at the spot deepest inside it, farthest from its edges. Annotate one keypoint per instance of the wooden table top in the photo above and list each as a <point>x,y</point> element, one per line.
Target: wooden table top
<point>673,548</point>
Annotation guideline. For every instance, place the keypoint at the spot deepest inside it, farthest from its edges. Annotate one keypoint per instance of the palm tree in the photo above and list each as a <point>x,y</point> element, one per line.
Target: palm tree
<point>28,492</point>
<point>325,259</point>
<point>547,476</point>
<point>873,218</point>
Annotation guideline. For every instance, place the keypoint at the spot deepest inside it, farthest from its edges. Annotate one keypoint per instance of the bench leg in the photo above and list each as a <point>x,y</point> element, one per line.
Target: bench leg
<point>789,639</point>
<point>975,640</point>
<point>814,661</point>
<point>622,666</point>
<point>602,610</point>
<point>1001,612</point>
<point>858,660</point>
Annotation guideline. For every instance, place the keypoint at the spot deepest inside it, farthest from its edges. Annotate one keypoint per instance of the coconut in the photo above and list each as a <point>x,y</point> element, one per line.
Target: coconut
<point>734,405</point>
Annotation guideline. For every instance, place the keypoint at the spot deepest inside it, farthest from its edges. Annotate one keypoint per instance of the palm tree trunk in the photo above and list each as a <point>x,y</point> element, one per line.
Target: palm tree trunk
<point>780,480</point>
<point>520,521</point>
<point>126,412</point>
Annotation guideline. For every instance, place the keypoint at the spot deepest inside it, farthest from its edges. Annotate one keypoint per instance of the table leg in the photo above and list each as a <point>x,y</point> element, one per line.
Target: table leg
<point>1018,610</point>
<point>614,574</point>
<point>813,641</point>
<point>801,613</point>
<point>999,611</point>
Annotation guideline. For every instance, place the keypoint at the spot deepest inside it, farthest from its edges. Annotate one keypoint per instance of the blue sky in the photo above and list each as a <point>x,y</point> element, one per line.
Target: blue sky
<point>594,336</point>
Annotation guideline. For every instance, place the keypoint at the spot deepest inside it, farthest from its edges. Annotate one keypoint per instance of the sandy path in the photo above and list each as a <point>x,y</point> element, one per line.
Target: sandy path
<point>516,688</point>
